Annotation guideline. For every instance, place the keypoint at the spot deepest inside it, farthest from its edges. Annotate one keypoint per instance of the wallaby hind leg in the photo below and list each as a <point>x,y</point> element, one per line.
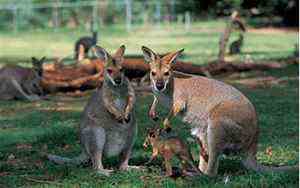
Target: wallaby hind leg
<point>22,93</point>
<point>126,153</point>
<point>93,139</point>
<point>188,166</point>
<point>214,142</point>
<point>203,155</point>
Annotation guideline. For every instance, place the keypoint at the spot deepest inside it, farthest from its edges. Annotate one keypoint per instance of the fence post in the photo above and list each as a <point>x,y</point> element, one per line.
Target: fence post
<point>173,11</point>
<point>128,14</point>
<point>158,13</point>
<point>15,18</point>
<point>94,25</point>
<point>55,18</point>
<point>187,21</point>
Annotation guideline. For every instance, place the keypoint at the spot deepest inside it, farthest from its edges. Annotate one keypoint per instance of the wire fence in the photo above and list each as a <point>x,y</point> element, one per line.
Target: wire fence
<point>90,15</point>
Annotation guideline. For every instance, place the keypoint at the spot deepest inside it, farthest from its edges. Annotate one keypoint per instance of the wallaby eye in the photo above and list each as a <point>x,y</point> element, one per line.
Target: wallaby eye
<point>121,69</point>
<point>153,73</point>
<point>151,134</point>
<point>109,71</point>
<point>167,73</point>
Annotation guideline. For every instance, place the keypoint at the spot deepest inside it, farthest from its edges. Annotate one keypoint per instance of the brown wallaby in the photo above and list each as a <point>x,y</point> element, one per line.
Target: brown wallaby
<point>20,82</point>
<point>221,118</point>
<point>108,126</point>
<point>170,146</point>
<point>235,46</point>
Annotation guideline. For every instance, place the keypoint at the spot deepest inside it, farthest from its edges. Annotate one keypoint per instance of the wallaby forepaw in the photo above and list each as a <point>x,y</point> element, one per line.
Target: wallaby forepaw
<point>152,115</point>
<point>120,118</point>
<point>127,118</point>
<point>166,124</point>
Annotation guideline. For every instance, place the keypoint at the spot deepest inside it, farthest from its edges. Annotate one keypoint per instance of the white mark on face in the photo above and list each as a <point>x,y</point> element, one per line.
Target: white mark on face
<point>155,88</point>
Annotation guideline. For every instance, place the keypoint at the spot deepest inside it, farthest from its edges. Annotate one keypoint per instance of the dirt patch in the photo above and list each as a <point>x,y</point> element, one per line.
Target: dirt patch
<point>273,30</point>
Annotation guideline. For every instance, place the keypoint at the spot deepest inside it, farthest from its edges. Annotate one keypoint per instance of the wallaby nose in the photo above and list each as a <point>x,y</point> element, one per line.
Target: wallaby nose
<point>118,80</point>
<point>160,85</point>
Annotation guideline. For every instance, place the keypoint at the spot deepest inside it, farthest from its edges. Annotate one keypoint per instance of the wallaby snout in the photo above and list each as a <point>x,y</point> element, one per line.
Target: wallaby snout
<point>118,80</point>
<point>160,85</point>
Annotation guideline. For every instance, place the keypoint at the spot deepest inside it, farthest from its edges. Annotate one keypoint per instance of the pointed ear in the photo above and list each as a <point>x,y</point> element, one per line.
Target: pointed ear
<point>100,53</point>
<point>171,57</point>
<point>42,60</point>
<point>149,55</point>
<point>33,59</point>
<point>120,52</point>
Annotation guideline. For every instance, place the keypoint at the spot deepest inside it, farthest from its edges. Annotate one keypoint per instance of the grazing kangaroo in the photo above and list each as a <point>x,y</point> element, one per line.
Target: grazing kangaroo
<point>84,44</point>
<point>220,116</point>
<point>170,146</point>
<point>235,46</point>
<point>108,126</point>
<point>20,82</point>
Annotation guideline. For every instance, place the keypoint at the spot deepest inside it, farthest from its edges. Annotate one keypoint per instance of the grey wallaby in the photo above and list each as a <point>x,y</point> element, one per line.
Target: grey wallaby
<point>22,83</point>
<point>108,125</point>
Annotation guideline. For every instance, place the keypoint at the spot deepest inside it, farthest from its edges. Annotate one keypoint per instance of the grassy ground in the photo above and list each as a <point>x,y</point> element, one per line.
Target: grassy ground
<point>27,130</point>
<point>200,43</point>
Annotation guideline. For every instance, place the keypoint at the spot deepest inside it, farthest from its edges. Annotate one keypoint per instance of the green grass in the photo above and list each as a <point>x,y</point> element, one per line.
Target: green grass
<point>52,127</point>
<point>200,43</point>
<point>27,130</point>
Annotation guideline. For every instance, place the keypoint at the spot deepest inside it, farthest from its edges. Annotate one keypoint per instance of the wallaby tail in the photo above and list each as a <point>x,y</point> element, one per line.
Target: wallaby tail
<point>251,163</point>
<point>82,158</point>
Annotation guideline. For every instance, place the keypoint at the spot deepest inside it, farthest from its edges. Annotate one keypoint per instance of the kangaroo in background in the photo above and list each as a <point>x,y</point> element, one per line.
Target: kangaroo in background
<point>235,46</point>
<point>20,82</point>
<point>84,44</point>
<point>108,125</point>
<point>169,145</point>
<point>222,119</point>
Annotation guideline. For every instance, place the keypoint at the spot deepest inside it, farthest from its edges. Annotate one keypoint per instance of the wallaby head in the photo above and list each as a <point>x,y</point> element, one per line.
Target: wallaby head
<point>160,67</point>
<point>33,83</point>
<point>113,71</point>
<point>37,65</point>
<point>152,135</point>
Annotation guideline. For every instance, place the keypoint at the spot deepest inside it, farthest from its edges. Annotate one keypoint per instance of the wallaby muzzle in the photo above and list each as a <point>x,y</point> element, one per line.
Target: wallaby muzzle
<point>118,80</point>
<point>160,85</point>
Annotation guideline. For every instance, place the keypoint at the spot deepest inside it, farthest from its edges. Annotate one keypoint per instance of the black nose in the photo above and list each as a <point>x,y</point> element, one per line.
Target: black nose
<point>118,80</point>
<point>160,85</point>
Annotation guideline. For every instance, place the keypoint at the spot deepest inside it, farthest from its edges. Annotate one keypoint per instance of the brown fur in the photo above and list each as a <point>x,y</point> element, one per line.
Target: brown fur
<point>220,116</point>
<point>170,147</point>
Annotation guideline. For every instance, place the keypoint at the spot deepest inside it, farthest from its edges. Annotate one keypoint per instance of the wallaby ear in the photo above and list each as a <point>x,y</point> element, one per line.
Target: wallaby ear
<point>33,59</point>
<point>100,53</point>
<point>149,55</point>
<point>120,52</point>
<point>171,57</point>
<point>42,60</point>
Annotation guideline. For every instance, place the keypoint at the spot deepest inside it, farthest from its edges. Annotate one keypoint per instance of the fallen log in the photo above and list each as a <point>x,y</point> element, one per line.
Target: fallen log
<point>89,75</point>
<point>131,65</point>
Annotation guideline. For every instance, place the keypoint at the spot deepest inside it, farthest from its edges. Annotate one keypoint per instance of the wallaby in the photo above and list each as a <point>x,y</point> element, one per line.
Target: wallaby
<point>170,146</point>
<point>235,46</point>
<point>221,118</point>
<point>22,83</point>
<point>84,44</point>
<point>108,126</point>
